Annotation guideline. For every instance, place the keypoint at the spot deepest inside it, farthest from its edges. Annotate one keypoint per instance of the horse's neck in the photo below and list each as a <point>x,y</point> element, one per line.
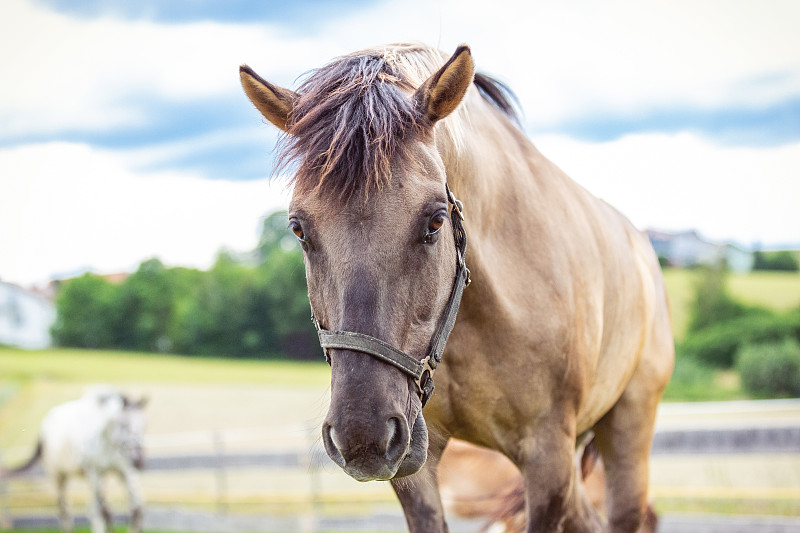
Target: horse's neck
<point>498,174</point>
<point>524,217</point>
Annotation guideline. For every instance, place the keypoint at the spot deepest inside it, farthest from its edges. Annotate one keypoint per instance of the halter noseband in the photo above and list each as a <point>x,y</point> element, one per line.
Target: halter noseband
<point>421,371</point>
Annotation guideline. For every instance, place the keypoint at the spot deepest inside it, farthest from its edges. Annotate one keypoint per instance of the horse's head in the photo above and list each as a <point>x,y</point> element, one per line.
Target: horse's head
<point>370,209</point>
<point>131,426</point>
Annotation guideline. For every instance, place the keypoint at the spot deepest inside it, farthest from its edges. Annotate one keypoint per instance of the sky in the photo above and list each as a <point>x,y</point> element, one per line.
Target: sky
<point>125,135</point>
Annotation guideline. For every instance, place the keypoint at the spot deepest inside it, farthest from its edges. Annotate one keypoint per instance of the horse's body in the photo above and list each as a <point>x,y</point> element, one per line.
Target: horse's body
<point>480,483</point>
<point>565,327</point>
<point>99,433</point>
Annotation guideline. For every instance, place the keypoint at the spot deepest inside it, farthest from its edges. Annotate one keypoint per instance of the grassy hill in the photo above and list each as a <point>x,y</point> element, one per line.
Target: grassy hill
<point>779,291</point>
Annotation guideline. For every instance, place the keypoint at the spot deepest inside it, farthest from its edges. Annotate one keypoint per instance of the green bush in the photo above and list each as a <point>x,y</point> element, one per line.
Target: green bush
<point>712,302</point>
<point>717,344</point>
<point>770,369</point>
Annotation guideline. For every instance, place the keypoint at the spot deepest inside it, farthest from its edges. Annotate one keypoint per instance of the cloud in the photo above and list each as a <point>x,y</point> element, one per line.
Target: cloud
<point>567,61</point>
<point>69,206</point>
<point>683,181</point>
<point>71,75</point>
<point>768,125</point>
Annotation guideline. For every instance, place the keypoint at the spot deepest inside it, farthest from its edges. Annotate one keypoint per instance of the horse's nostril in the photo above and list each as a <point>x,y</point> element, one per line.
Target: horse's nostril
<point>396,439</point>
<point>332,446</point>
<point>336,442</point>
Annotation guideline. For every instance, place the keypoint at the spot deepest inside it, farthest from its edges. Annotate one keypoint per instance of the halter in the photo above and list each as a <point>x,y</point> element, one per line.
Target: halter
<point>420,371</point>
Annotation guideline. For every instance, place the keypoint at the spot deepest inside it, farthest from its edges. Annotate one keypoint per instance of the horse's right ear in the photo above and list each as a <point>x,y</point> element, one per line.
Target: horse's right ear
<point>274,102</point>
<point>441,93</point>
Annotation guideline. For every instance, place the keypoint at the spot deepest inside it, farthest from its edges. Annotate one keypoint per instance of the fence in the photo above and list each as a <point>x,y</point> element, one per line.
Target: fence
<point>277,471</point>
<point>281,478</point>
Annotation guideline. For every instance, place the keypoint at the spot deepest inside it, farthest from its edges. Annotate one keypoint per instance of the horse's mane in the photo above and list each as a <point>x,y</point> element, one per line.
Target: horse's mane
<point>353,115</point>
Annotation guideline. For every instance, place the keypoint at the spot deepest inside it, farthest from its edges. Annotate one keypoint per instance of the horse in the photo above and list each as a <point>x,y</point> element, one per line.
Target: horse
<point>477,482</point>
<point>99,433</point>
<point>563,329</point>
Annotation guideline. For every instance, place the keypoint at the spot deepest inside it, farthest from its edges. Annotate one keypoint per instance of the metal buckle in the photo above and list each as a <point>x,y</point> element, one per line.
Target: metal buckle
<point>458,207</point>
<point>425,380</point>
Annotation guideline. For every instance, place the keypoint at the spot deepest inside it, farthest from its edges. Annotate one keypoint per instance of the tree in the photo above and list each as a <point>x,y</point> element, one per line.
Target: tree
<point>283,281</point>
<point>85,313</point>
<point>214,320</point>
<point>145,307</point>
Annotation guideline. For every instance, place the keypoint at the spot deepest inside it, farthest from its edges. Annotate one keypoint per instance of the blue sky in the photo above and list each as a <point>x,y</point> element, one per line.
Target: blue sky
<point>124,133</point>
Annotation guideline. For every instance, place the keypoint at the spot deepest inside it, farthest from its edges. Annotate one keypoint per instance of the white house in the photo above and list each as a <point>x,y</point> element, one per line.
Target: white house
<point>25,318</point>
<point>688,249</point>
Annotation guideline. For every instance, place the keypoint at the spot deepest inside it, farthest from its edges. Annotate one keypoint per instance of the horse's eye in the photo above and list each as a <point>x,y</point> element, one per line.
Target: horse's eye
<point>297,229</point>
<point>436,222</point>
<point>434,225</point>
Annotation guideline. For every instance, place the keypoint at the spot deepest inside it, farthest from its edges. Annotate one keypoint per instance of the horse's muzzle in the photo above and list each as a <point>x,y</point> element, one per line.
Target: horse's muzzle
<point>395,452</point>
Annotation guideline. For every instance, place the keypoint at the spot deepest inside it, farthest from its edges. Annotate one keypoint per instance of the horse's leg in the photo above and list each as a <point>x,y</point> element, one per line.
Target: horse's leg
<point>554,495</point>
<point>623,437</point>
<point>64,518</point>
<point>100,515</point>
<point>134,499</point>
<point>419,493</point>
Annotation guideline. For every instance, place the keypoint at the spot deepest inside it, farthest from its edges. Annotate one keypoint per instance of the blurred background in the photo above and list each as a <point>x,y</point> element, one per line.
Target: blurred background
<point>143,236</point>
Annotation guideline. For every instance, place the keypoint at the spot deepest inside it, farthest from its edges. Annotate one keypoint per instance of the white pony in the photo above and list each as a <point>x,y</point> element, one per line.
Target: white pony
<point>99,433</point>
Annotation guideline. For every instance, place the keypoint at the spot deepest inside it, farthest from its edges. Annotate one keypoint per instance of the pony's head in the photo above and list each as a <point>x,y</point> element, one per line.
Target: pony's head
<point>370,209</point>
<point>123,419</point>
<point>131,430</point>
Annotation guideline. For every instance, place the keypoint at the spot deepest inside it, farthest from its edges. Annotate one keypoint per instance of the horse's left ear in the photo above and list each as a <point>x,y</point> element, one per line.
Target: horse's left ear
<point>142,403</point>
<point>441,93</point>
<point>274,102</point>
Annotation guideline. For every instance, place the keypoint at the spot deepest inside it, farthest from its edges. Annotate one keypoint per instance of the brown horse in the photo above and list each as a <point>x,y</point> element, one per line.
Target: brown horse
<point>564,329</point>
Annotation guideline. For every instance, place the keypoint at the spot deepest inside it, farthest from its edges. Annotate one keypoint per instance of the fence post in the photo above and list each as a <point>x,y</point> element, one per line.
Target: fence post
<point>221,475</point>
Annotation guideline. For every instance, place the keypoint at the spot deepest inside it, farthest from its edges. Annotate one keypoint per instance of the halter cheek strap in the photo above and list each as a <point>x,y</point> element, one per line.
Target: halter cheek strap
<point>421,371</point>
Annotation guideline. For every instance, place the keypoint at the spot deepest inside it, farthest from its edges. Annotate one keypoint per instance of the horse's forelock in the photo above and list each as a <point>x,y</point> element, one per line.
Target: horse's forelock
<point>353,118</point>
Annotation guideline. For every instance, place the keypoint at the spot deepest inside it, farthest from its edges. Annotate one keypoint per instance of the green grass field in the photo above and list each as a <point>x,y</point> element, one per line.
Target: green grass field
<point>87,366</point>
<point>779,291</point>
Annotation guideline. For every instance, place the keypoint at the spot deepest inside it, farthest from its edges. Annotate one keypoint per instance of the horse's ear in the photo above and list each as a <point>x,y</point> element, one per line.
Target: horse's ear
<point>441,93</point>
<point>142,403</point>
<point>274,102</point>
